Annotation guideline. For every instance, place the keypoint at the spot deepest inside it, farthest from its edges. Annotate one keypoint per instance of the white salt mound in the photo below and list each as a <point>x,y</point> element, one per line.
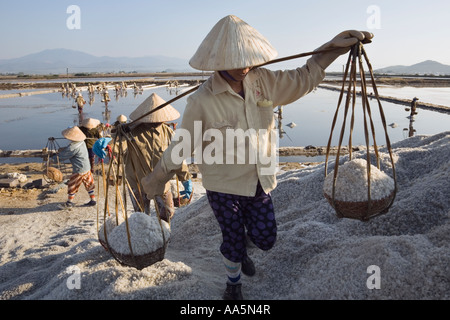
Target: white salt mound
<point>15,175</point>
<point>145,234</point>
<point>352,182</point>
<point>317,256</point>
<point>110,223</point>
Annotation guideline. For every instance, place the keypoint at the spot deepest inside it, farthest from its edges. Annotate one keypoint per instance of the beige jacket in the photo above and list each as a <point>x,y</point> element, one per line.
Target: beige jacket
<point>145,150</point>
<point>215,107</point>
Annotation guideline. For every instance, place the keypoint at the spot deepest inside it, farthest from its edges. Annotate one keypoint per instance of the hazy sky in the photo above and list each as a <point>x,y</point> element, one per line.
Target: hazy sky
<point>406,32</point>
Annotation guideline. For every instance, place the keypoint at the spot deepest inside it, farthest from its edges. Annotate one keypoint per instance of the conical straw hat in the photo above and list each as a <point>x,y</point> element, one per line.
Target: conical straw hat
<point>167,113</point>
<point>232,44</point>
<point>90,123</point>
<point>73,134</point>
<point>122,118</point>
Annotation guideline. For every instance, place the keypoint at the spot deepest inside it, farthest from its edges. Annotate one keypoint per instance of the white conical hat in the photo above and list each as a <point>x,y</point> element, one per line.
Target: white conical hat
<point>90,123</point>
<point>167,113</point>
<point>73,134</point>
<point>122,118</point>
<point>232,44</point>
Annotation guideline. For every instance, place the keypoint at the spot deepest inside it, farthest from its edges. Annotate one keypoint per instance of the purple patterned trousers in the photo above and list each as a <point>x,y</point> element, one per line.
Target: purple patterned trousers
<point>236,213</point>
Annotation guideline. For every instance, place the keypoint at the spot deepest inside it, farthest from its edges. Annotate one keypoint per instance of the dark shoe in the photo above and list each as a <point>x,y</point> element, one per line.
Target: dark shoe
<point>66,205</point>
<point>91,203</point>
<point>248,267</point>
<point>233,292</point>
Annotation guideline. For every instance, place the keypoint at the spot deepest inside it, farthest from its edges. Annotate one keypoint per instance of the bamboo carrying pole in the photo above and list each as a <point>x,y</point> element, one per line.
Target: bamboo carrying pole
<point>124,129</point>
<point>297,56</point>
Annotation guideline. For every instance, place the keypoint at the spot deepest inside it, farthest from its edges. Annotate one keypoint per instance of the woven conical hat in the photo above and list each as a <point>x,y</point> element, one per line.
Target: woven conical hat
<point>122,118</point>
<point>90,123</point>
<point>232,44</point>
<point>167,113</point>
<point>73,134</point>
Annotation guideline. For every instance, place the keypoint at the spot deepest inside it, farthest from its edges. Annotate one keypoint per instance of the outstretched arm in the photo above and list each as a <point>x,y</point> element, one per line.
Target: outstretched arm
<point>342,43</point>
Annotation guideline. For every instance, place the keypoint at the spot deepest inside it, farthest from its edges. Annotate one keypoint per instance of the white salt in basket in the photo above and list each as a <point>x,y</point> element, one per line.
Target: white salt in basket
<point>138,242</point>
<point>351,191</point>
<point>359,190</point>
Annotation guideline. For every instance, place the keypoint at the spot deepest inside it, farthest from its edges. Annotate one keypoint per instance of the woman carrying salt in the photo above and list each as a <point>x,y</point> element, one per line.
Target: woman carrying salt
<point>238,100</point>
<point>151,135</point>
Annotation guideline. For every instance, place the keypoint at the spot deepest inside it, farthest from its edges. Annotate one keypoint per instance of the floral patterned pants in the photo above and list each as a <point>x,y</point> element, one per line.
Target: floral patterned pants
<point>236,213</point>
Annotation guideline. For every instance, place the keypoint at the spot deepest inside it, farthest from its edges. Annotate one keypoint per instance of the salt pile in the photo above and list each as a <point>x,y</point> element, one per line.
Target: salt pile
<point>111,222</point>
<point>352,182</point>
<point>316,256</point>
<point>15,175</point>
<point>145,231</point>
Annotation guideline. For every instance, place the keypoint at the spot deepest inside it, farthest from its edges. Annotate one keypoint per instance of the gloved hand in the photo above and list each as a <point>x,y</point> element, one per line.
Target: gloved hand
<point>342,42</point>
<point>99,147</point>
<point>155,183</point>
<point>188,187</point>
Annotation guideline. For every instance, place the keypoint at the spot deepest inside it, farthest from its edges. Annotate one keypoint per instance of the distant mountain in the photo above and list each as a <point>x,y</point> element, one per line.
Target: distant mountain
<point>425,67</point>
<point>56,61</point>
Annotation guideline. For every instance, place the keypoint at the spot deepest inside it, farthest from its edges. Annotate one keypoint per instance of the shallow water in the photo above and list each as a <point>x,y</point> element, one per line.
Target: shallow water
<point>435,95</point>
<point>27,122</point>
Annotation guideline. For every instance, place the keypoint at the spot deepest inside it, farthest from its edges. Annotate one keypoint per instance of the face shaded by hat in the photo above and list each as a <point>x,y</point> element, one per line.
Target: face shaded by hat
<point>166,114</point>
<point>73,134</point>
<point>90,123</point>
<point>232,44</point>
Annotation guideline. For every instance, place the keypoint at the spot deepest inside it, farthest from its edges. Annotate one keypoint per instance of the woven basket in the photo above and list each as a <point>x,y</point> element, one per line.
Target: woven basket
<point>137,261</point>
<point>54,174</point>
<point>141,261</point>
<point>360,209</point>
<point>104,244</point>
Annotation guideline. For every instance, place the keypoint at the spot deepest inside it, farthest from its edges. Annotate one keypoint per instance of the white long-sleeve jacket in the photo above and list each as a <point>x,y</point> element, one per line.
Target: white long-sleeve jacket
<point>233,139</point>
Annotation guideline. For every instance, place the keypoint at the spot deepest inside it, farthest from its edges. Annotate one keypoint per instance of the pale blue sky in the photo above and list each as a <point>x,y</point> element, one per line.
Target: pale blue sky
<point>408,31</point>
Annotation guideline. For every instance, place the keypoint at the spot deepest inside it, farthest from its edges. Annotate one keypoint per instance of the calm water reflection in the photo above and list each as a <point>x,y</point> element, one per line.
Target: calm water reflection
<point>27,122</point>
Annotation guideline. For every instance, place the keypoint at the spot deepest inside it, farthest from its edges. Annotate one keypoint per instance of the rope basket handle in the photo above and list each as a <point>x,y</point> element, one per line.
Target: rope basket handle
<point>355,59</point>
<point>118,162</point>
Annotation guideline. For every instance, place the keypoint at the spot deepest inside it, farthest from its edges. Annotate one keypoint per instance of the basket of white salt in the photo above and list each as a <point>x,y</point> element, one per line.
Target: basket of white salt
<point>352,196</point>
<point>107,227</point>
<point>139,241</point>
<point>357,189</point>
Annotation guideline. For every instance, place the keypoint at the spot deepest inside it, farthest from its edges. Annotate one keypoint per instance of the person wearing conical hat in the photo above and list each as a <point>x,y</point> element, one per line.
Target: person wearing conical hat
<point>151,136</point>
<point>414,106</point>
<point>106,97</point>
<point>80,102</point>
<point>92,130</point>
<point>122,118</point>
<point>76,152</point>
<point>238,101</point>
